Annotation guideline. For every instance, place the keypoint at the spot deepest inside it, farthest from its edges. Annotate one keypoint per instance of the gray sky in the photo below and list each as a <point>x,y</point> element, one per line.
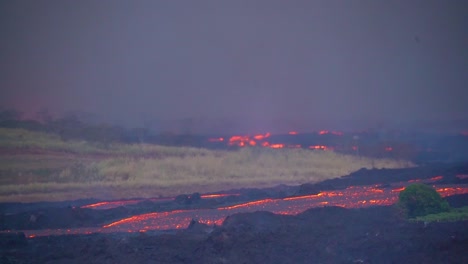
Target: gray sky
<point>262,61</point>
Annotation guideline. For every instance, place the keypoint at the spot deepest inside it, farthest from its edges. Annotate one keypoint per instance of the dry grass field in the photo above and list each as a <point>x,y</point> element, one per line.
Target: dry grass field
<point>38,166</point>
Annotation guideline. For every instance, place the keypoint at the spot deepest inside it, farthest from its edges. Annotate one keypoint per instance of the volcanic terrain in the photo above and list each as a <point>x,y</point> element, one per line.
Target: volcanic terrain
<point>345,220</point>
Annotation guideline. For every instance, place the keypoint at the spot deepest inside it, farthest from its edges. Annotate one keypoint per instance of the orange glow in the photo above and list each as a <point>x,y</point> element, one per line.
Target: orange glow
<point>325,132</point>
<point>111,204</point>
<point>260,140</point>
<point>262,137</point>
<point>311,196</point>
<point>277,146</point>
<point>205,196</point>
<point>436,178</point>
<point>212,222</point>
<point>351,197</point>
<point>246,204</point>
<point>249,140</point>
<point>242,141</point>
<point>388,148</point>
<point>258,137</point>
<point>320,147</point>
<point>238,140</point>
<point>137,218</point>
<point>398,189</point>
<point>416,180</point>
<point>449,191</point>
<point>95,205</point>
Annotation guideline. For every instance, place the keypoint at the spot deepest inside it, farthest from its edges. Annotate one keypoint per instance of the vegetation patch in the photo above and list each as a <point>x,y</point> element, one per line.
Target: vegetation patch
<point>421,200</point>
<point>454,214</point>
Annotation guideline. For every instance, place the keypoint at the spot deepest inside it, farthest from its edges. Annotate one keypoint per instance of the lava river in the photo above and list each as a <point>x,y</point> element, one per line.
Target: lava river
<point>351,197</point>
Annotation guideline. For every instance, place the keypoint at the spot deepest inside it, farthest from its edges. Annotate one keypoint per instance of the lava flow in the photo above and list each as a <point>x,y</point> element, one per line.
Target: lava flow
<point>351,197</point>
<point>114,204</point>
<point>262,140</point>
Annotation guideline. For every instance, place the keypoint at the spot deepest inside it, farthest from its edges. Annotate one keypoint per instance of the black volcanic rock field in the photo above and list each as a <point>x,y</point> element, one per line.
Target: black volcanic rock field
<point>325,234</point>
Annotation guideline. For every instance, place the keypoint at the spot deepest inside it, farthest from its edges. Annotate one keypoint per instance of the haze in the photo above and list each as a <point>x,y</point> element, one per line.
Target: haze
<point>239,65</point>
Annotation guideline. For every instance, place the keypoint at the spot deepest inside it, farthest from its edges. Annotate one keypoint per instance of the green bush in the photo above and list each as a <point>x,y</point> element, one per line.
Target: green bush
<point>420,199</point>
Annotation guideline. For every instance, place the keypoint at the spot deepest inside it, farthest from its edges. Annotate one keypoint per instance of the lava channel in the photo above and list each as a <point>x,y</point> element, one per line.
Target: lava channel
<point>113,204</point>
<point>351,197</point>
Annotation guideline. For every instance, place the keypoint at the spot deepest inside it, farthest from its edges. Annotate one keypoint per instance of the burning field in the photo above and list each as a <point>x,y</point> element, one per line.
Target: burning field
<point>342,220</point>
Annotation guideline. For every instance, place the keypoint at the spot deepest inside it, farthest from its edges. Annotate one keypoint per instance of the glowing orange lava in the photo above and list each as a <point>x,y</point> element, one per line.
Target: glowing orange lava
<point>138,218</point>
<point>398,189</point>
<point>261,140</point>
<point>416,180</point>
<point>351,197</point>
<point>325,132</point>
<point>449,191</point>
<point>436,178</point>
<point>114,204</point>
<point>277,146</point>
<point>246,204</point>
<point>218,195</point>
<point>111,204</point>
<point>262,137</point>
<point>320,147</point>
<point>242,141</point>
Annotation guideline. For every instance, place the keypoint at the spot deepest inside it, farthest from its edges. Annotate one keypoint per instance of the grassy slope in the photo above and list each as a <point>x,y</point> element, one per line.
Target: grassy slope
<point>38,166</point>
<point>455,214</point>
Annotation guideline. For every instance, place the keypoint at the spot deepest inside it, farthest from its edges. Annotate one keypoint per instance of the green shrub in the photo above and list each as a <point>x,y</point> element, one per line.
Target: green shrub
<point>420,199</point>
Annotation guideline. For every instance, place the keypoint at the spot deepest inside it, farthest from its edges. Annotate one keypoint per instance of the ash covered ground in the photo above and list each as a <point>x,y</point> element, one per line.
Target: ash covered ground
<point>330,234</point>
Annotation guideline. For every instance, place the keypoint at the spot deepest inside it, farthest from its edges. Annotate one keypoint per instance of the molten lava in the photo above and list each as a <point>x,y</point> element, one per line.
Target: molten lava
<point>326,132</point>
<point>114,204</point>
<point>262,137</point>
<point>261,140</point>
<point>351,197</point>
<point>110,204</point>
<point>277,146</point>
<point>320,147</point>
